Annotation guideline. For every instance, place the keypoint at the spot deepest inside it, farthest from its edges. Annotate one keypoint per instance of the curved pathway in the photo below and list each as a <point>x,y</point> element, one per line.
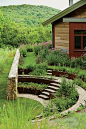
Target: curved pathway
<point>34,97</point>
<point>81,100</point>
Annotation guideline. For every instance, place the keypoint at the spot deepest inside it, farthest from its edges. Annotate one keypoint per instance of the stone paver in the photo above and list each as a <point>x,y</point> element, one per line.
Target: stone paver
<point>34,97</point>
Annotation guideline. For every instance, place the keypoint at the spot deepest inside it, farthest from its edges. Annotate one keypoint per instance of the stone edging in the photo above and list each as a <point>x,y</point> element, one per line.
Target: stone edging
<point>11,92</point>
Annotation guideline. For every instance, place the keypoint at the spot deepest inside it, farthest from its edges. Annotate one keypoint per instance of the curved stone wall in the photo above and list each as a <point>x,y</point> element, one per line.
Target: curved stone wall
<point>11,92</point>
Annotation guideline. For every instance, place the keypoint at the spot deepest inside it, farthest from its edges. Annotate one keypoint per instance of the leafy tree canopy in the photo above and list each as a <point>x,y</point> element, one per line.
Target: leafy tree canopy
<point>22,24</point>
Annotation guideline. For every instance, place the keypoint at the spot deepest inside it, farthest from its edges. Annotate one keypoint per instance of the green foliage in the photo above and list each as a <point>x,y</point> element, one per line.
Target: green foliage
<point>30,67</point>
<point>31,15</point>
<point>37,49</point>
<point>22,24</point>
<point>23,51</point>
<point>66,96</point>
<point>80,83</point>
<point>57,57</point>
<point>6,58</point>
<point>29,48</point>
<point>44,51</point>
<point>40,69</point>
<point>75,62</point>
<point>33,85</point>
<point>80,62</point>
<point>16,114</point>
<point>66,88</point>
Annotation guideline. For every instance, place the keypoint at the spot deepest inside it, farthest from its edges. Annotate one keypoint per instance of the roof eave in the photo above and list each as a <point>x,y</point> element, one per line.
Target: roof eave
<point>64,12</point>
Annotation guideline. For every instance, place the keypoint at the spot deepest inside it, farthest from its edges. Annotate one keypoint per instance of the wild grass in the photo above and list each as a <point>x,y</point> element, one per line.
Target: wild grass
<point>17,114</point>
<point>6,59</point>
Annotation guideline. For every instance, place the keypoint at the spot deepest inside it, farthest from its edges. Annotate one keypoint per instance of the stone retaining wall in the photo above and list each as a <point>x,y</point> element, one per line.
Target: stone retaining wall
<point>11,92</point>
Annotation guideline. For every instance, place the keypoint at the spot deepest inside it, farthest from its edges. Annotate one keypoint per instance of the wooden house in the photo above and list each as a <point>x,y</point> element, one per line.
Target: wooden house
<point>69,29</point>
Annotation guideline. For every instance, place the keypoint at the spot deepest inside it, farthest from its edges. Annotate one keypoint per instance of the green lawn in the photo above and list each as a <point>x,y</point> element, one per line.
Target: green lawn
<point>29,60</point>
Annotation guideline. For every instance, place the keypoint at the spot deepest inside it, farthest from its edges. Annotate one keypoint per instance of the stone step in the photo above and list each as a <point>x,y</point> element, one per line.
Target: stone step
<point>55,84</point>
<point>49,70</point>
<point>45,93</point>
<point>58,81</point>
<point>49,73</point>
<point>49,90</point>
<point>43,96</point>
<point>39,116</point>
<point>53,88</point>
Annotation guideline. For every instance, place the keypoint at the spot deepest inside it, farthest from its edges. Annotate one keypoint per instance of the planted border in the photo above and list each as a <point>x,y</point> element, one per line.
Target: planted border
<point>68,75</point>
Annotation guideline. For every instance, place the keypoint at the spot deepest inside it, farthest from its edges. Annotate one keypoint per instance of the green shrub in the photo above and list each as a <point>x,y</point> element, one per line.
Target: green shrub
<point>57,57</point>
<point>66,88</point>
<point>66,96</point>
<point>40,69</point>
<point>80,83</point>
<point>81,74</point>
<point>83,61</point>
<point>43,52</point>
<point>29,48</point>
<point>23,51</point>
<point>52,59</point>
<point>42,66</point>
<point>37,49</point>
<point>75,62</point>
<point>30,67</point>
<point>38,72</point>
<point>21,61</point>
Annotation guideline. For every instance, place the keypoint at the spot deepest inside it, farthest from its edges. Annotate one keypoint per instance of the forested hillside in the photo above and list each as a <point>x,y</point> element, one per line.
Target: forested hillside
<point>22,24</point>
<point>28,14</point>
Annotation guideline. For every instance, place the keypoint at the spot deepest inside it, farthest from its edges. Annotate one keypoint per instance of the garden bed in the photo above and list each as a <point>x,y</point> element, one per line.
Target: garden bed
<point>31,87</point>
<point>34,79</point>
<point>23,71</point>
<point>65,74</point>
<point>29,91</point>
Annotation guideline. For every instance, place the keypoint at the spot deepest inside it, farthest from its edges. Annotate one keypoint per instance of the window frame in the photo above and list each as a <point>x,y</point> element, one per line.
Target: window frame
<point>81,35</point>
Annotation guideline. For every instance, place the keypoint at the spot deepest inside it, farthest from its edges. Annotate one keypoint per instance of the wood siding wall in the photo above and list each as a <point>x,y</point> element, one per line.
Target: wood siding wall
<point>62,36</point>
<point>80,12</point>
<point>61,29</point>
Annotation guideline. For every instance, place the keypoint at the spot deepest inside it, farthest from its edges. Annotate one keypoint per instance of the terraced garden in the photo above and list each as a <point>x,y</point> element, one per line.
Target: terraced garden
<point>45,65</point>
<point>39,68</point>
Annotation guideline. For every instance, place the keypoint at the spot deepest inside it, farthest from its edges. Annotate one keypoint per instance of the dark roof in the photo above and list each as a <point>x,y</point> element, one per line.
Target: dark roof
<point>65,12</point>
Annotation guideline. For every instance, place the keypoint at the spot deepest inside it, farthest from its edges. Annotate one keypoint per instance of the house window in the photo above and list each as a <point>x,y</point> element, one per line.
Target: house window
<point>80,39</point>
